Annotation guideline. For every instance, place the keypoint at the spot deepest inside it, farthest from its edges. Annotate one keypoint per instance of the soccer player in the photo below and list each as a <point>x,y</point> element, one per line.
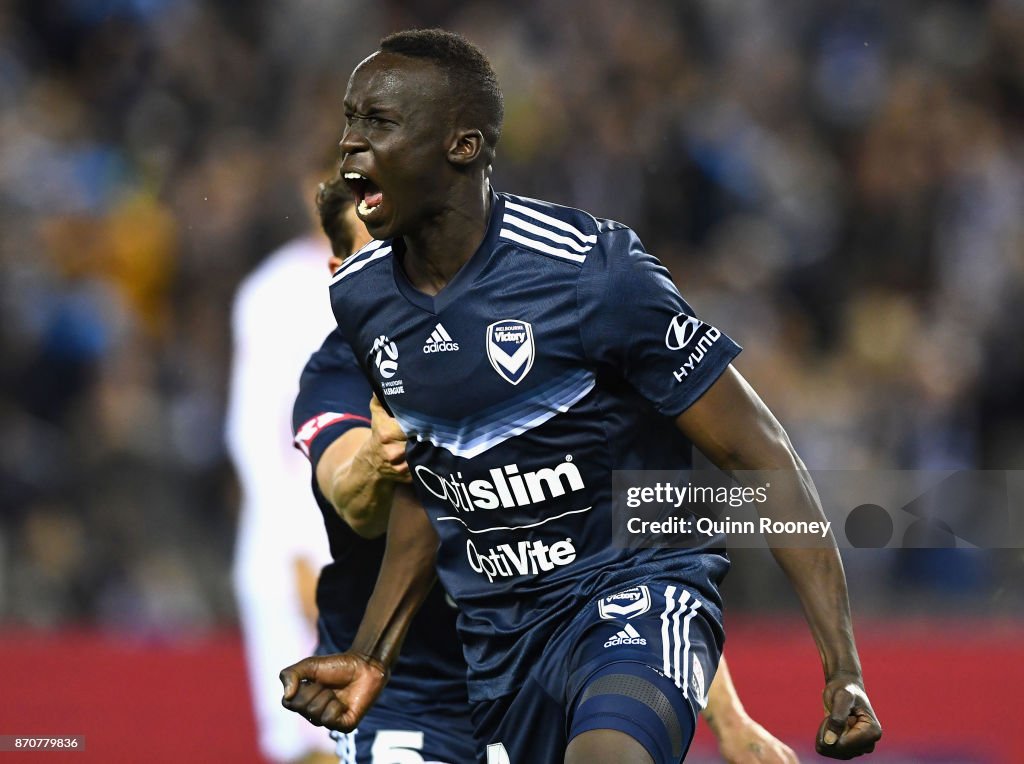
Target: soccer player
<point>529,350</point>
<point>277,321</point>
<point>517,306</point>
<point>358,456</point>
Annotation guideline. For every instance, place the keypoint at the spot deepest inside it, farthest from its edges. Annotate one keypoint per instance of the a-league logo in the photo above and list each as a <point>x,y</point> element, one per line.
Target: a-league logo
<point>385,356</point>
<point>510,349</point>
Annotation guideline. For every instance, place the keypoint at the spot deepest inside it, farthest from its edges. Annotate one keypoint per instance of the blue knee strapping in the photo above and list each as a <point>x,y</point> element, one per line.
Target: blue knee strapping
<point>638,701</point>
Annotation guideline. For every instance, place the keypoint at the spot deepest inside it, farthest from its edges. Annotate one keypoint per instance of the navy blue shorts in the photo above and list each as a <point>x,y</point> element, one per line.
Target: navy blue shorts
<point>426,736</point>
<point>639,661</point>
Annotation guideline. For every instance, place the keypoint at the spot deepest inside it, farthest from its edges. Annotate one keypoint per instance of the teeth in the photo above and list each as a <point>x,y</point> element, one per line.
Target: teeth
<point>354,176</point>
<point>364,209</point>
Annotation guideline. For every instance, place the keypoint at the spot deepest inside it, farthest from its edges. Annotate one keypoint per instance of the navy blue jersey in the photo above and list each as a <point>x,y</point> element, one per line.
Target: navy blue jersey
<point>558,353</point>
<point>333,398</point>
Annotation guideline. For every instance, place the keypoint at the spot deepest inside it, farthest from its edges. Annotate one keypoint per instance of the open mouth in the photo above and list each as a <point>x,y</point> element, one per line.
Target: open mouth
<point>367,195</point>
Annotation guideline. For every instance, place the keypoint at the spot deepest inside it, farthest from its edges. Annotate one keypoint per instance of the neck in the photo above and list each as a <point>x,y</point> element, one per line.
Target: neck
<point>434,254</point>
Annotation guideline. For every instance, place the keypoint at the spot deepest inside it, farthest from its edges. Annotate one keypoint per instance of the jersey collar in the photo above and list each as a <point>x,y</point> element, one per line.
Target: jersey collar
<point>463,280</point>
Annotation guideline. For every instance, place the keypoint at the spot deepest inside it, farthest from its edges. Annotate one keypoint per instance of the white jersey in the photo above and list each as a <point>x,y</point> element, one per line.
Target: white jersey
<point>281,315</point>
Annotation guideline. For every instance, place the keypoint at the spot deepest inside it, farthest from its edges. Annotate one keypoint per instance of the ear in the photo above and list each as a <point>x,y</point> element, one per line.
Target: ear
<point>465,147</point>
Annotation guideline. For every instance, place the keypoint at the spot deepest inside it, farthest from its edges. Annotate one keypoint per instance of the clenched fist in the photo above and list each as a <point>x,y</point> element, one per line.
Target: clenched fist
<point>851,728</point>
<point>333,691</point>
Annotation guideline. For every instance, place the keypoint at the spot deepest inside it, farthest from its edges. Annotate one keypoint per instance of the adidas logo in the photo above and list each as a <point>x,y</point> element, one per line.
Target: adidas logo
<point>439,341</point>
<point>628,636</point>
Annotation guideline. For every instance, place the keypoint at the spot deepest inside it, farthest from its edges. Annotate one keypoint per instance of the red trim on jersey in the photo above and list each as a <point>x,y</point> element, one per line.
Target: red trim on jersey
<point>307,433</point>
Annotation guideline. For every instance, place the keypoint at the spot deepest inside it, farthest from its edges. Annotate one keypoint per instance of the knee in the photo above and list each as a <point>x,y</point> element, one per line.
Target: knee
<point>606,746</point>
<point>629,712</point>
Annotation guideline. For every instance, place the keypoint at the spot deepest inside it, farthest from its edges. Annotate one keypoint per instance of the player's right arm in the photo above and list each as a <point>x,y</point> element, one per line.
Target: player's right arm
<point>336,691</point>
<point>358,453</point>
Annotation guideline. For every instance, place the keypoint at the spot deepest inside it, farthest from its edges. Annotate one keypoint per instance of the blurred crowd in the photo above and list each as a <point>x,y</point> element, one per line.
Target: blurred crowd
<point>839,185</point>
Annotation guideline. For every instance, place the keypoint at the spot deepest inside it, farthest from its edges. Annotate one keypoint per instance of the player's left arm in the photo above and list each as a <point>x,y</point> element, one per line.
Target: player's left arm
<point>741,740</point>
<point>682,366</point>
<point>733,427</point>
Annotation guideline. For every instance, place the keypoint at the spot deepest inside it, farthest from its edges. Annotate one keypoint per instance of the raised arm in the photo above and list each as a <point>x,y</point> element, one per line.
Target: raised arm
<point>336,691</point>
<point>732,426</point>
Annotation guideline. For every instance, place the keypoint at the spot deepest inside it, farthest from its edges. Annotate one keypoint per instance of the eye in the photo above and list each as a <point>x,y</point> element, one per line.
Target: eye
<point>370,119</point>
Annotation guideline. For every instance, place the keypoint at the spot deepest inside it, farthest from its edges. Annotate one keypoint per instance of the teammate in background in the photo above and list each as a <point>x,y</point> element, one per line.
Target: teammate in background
<point>358,457</point>
<point>278,319</point>
<point>357,453</point>
<point>514,470</point>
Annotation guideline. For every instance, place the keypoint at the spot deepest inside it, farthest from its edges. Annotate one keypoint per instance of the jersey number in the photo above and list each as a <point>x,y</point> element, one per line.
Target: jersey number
<point>496,754</point>
<point>397,747</point>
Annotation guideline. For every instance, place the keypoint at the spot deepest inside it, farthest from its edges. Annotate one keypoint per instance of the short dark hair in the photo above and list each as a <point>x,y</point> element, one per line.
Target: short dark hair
<point>470,75</point>
<point>333,197</point>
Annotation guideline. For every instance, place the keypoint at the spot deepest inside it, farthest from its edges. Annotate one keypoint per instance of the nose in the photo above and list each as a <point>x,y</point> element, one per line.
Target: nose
<point>352,140</point>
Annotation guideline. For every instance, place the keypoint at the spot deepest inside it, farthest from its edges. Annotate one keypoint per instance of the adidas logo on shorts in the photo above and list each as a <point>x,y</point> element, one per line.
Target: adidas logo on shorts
<point>628,636</point>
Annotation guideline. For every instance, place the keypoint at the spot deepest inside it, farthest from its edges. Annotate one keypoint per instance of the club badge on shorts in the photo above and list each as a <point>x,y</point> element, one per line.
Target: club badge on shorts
<point>627,604</point>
